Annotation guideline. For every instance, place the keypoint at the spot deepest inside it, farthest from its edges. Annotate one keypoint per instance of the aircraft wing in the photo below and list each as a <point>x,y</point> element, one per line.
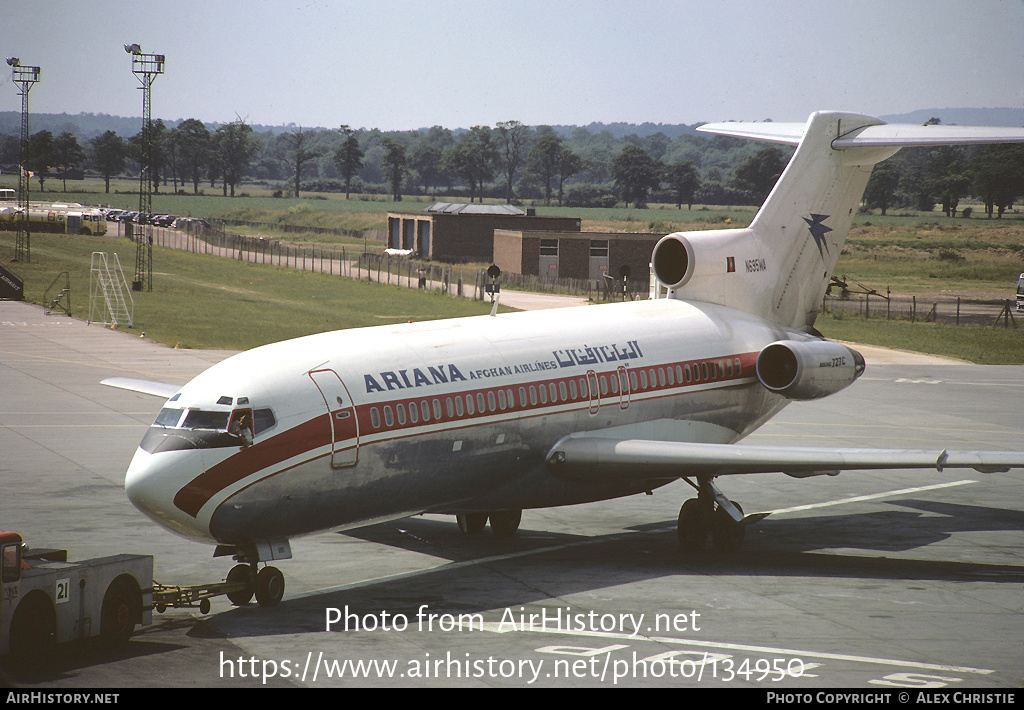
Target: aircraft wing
<point>157,389</point>
<point>584,457</point>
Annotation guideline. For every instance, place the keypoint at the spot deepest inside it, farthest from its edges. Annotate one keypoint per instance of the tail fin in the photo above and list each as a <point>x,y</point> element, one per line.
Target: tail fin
<point>779,267</point>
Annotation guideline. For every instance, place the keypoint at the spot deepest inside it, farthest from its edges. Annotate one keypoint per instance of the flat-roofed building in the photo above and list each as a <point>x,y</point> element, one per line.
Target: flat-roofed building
<point>456,232</point>
<point>583,255</point>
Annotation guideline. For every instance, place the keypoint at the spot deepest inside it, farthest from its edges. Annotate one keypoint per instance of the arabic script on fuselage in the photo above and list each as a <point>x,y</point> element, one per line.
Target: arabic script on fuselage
<point>585,356</point>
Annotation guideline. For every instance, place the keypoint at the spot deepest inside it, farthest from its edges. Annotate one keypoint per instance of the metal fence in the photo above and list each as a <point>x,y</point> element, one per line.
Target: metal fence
<point>355,263</point>
<point>953,310</point>
<point>202,237</point>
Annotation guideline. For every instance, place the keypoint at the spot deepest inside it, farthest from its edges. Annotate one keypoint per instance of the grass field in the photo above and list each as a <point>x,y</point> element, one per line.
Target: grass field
<point>205,302</point>
<point>985,345</point>
<point>208,302</point>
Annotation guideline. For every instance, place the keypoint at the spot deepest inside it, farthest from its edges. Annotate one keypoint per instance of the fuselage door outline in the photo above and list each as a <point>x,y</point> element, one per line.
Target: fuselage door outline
<point>623,376</point>
<point>344,422</point>
<point>595,392</point>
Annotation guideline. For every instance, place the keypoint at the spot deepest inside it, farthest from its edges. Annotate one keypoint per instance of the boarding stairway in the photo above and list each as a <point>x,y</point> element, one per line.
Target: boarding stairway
<point>62,301</point>
<point>107,291</point>
<point>12,286</point>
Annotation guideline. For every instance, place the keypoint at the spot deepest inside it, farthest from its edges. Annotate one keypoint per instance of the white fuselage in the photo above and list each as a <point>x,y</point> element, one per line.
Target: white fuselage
<point>369,424</point>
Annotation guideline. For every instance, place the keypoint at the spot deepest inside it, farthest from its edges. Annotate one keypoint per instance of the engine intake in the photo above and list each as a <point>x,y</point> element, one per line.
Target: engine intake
<point>808,370</point>
<point>673,260</point>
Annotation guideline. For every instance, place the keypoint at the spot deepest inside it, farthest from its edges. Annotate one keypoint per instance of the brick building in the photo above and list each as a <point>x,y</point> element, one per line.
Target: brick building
<point>465,233</point>
<point>582,255</point>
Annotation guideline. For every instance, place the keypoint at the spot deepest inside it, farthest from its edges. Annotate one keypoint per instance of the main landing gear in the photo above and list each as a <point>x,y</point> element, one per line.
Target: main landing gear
<point>712,515</point>
<point>266,584</point>
<point>504,523</point>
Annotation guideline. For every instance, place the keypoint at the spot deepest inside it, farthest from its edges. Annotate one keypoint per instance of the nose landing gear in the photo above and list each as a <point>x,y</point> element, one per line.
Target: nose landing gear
<point>266,584</point>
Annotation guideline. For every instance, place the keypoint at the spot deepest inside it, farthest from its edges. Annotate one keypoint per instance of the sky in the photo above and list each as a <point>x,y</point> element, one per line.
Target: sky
<point>400,65</point>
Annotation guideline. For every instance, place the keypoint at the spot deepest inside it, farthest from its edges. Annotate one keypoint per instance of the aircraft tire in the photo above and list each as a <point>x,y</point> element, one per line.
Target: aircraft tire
<point>241,574</point>
<point>471,523</point>
<point>269,586</point>
<point>726,534</point>
<point>692,527</point>
<point>505,523</point>
<point>33,628</point>
<point>122,605</point>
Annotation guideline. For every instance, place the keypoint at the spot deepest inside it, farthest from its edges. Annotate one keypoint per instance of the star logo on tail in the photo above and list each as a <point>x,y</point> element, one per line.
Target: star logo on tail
<point>818,231</point>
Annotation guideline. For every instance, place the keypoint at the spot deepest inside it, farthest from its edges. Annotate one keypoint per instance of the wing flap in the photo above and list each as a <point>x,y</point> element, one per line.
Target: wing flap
<point>598,458</point>
<point>157,389</point>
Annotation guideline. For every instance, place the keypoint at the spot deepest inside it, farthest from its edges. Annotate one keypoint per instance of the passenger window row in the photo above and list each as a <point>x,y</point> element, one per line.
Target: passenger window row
<point>573,389</point>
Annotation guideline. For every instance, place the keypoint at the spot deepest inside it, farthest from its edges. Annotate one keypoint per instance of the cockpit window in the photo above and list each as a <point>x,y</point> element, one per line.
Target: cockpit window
<point>201,429</point>
<point>199,419</point>
<point>168,416</point>
<point>263,419</point>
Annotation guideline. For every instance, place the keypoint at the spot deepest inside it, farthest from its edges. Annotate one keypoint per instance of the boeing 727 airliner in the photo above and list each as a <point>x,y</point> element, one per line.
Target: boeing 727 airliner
<point>484,417</point>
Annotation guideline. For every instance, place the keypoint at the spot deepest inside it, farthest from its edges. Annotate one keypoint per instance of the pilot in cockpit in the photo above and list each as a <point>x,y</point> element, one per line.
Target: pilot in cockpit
<point>241,426</point>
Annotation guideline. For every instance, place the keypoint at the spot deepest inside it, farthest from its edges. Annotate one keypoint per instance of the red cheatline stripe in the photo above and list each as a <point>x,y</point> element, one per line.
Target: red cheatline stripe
<point>297,440</point>
<point>317,432</point>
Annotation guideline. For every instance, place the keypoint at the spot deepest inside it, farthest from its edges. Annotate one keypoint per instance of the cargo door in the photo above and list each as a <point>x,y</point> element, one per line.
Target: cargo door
<point>344,426</point>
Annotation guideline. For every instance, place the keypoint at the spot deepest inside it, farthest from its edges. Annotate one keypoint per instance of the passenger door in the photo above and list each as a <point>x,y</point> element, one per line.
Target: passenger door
<point>344,426</point>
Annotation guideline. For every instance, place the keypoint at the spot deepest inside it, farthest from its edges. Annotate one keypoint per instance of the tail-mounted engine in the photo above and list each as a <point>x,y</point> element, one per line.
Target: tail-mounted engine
<point>808,370</point>
<point>673,260</point>
<point>724,266</point>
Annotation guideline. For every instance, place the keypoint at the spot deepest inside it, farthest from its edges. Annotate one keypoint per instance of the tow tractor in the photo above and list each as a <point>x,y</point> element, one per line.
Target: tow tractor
<point>46,600</point>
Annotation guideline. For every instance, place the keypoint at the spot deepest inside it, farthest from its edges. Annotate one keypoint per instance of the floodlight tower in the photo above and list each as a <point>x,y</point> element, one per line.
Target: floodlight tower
<point>145,67</point>
<point>24,77</point>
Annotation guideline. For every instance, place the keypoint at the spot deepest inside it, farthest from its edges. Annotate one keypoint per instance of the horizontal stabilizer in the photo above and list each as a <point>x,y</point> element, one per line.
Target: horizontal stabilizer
<point>584,457</point>
<point>908,136</point>
<point>882,135</point>
<point>157,389</point>
<point>788,133</point>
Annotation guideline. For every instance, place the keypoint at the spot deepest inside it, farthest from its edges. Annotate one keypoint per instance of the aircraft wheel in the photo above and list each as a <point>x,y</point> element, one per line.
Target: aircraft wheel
<point>269,586</point>
<point>504,523</point>
<point>692,527</point>
<point>471,523</point>
<point>241,574</point>
<point>726,534</point>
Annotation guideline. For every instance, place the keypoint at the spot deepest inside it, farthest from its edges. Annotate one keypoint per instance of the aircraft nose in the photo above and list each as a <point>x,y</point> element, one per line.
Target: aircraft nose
<point>153,480</point>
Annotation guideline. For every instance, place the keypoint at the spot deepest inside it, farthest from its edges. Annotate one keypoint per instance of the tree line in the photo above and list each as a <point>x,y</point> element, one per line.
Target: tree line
<point>511,161</point>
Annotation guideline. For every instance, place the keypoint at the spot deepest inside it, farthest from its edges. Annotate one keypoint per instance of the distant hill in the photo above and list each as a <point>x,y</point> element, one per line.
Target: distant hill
<point>621,130</point>
<point>84,125</point>
<point>89,125</point>
<point>1008,117</point>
